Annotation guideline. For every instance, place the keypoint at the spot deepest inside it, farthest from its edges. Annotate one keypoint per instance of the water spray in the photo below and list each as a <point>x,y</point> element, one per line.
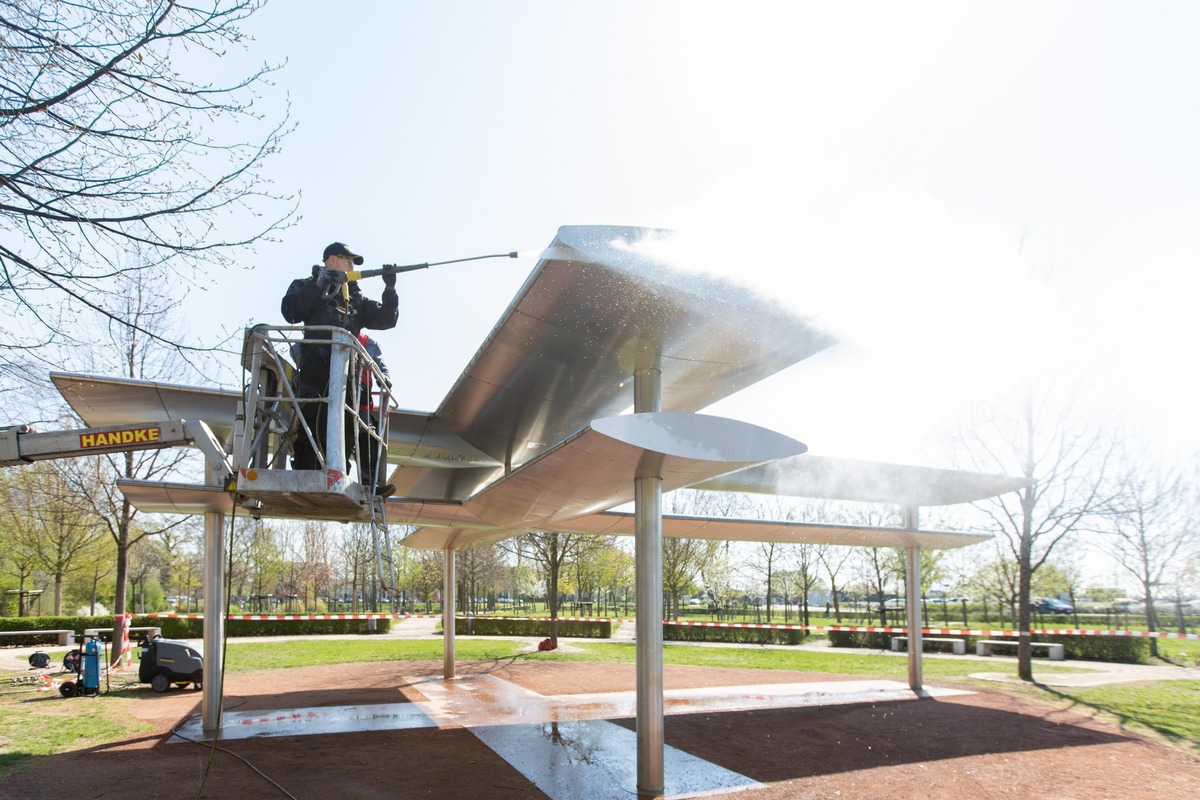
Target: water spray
<point>394,269</point>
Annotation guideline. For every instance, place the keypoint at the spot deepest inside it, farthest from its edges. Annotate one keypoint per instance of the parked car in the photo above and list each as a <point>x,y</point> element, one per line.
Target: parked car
<point>1048,605</point>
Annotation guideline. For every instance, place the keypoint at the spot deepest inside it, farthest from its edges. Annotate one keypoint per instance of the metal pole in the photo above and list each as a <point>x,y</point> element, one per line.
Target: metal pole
<point>912,602</point>
<point>448,615</point>
<point>335,414</point>
<point>214,616</point>
<point>647,493</point>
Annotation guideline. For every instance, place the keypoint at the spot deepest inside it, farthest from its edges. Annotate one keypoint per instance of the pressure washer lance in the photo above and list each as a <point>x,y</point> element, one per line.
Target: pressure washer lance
<point>393,269</point>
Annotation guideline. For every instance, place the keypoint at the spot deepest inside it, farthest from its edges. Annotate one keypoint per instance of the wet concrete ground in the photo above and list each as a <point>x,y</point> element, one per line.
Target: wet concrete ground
<point>566,745</point>
<point>739,733</point>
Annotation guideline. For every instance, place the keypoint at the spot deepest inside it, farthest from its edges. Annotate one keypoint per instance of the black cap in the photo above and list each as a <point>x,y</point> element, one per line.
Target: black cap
<point>339,249</point>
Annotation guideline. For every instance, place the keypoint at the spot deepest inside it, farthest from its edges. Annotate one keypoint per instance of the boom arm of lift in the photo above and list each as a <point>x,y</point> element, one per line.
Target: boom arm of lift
<point>21,444</point>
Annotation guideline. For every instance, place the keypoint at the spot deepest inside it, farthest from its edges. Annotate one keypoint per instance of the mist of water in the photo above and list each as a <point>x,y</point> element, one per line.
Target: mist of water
<point>936,311</point>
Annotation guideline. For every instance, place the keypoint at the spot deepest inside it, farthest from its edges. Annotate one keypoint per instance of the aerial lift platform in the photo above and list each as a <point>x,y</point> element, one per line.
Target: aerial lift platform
<point>247,461</point>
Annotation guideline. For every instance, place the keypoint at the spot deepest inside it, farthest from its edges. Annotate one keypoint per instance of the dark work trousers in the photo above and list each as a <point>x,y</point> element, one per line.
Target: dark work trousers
<point>367,447</point>
<point>315,414</point>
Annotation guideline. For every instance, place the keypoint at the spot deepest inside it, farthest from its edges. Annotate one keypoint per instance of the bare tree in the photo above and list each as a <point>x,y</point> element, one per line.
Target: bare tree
<point>112,142</point>
<point>1068,460</point>
<point>145,564</point>
<point>998,579</point>
<point>803,580</point>
<point>1151,525</point>
<point>878,567</point>
<point>264,559</point>
<point>833,558</point>
<point>315,574</point>
<point>552,552</point>
<point>133,352</point>
<point>177,543</point>
<point>590,575</point>
<point>478,571</point>
<point>767,561</point>
<point>428,574</point>
<point>357,556</point>
<point>684,560</point>
<point>615,571</point>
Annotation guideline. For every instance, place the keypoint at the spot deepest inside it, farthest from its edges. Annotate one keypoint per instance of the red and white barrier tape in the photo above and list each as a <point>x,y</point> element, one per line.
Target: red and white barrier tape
<point>289,617</point>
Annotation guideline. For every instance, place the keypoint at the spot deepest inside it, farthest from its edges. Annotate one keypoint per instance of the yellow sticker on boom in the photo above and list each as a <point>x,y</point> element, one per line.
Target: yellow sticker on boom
<point>110,438</point>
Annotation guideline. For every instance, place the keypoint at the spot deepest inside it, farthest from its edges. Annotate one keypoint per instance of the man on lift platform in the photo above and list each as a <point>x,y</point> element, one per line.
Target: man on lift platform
<point>327,298</point>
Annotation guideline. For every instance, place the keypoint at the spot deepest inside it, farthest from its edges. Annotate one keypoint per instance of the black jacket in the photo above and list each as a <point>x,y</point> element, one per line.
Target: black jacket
<point>305,304</point>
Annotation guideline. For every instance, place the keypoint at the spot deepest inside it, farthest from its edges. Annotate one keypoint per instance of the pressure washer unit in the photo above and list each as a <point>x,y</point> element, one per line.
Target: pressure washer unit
<point>165,662</point>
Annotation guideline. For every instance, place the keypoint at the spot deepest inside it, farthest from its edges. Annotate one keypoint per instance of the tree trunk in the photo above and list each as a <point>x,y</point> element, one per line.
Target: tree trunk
<point>1151,624</point>
<point>124,523</point>
<point>58,594</point>
<point>95,590</point>
<point>1024,578</point>
<point>552,603</point>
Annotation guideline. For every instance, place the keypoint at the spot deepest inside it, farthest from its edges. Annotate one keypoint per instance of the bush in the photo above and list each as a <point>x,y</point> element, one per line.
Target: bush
<point>37,624</point>
<point>175,628</point>
<point>706,633</point>
<point>499,626</point>
<point>863,639</point>
<point>1116,649</point>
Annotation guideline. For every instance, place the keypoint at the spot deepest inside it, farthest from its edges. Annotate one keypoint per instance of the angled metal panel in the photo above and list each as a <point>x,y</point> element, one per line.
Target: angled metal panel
<point>847,479</point>
<point>175,498</point>
<point>611,523</point>
<point>419,440</point>
<point>594,310</point>
<point>415,439</point>
<point>188,498</point>
<point>98,400</point>
<point>439,539</point>
<point>595,469</point>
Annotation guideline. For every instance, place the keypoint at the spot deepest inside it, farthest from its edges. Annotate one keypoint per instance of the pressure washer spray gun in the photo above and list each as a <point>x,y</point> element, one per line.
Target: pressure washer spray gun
<point>393,269</point>
<point>343,278</point>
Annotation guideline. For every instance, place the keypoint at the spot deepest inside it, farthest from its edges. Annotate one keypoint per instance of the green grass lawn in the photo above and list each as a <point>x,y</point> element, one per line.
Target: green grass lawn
<point>36,724</point>
<point>1170,709</point>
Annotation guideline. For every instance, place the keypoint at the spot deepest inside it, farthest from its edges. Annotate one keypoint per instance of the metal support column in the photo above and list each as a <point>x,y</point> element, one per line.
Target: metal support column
<point>448,615</point>
<point>647,488</point>
<point>214,616</point>
<point>912,602</point>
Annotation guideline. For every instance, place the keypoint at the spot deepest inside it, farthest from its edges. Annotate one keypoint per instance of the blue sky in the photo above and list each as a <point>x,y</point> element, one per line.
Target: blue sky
<point>961,191</point>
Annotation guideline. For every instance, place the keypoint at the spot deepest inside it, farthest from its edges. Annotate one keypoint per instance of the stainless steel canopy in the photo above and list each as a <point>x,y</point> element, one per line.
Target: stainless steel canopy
<point>533,436</point>
<point>596,308</point>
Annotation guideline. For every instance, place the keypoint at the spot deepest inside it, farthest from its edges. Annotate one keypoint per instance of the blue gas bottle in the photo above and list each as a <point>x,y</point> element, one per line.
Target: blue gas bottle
<point>91,667</point>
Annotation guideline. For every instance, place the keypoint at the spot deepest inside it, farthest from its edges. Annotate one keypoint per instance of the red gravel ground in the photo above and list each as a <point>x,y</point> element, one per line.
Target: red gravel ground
<point>986,744</point>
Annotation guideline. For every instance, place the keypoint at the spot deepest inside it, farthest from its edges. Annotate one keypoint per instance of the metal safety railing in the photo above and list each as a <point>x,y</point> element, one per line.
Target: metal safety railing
<point>273,415</point>
<point>343,424</point>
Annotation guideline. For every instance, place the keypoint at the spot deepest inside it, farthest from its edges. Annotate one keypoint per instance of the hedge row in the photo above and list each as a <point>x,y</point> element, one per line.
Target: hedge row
<point>490,626</point>
<point>1118,649</point>
<point>703,633</point>
<point>174,628</point>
